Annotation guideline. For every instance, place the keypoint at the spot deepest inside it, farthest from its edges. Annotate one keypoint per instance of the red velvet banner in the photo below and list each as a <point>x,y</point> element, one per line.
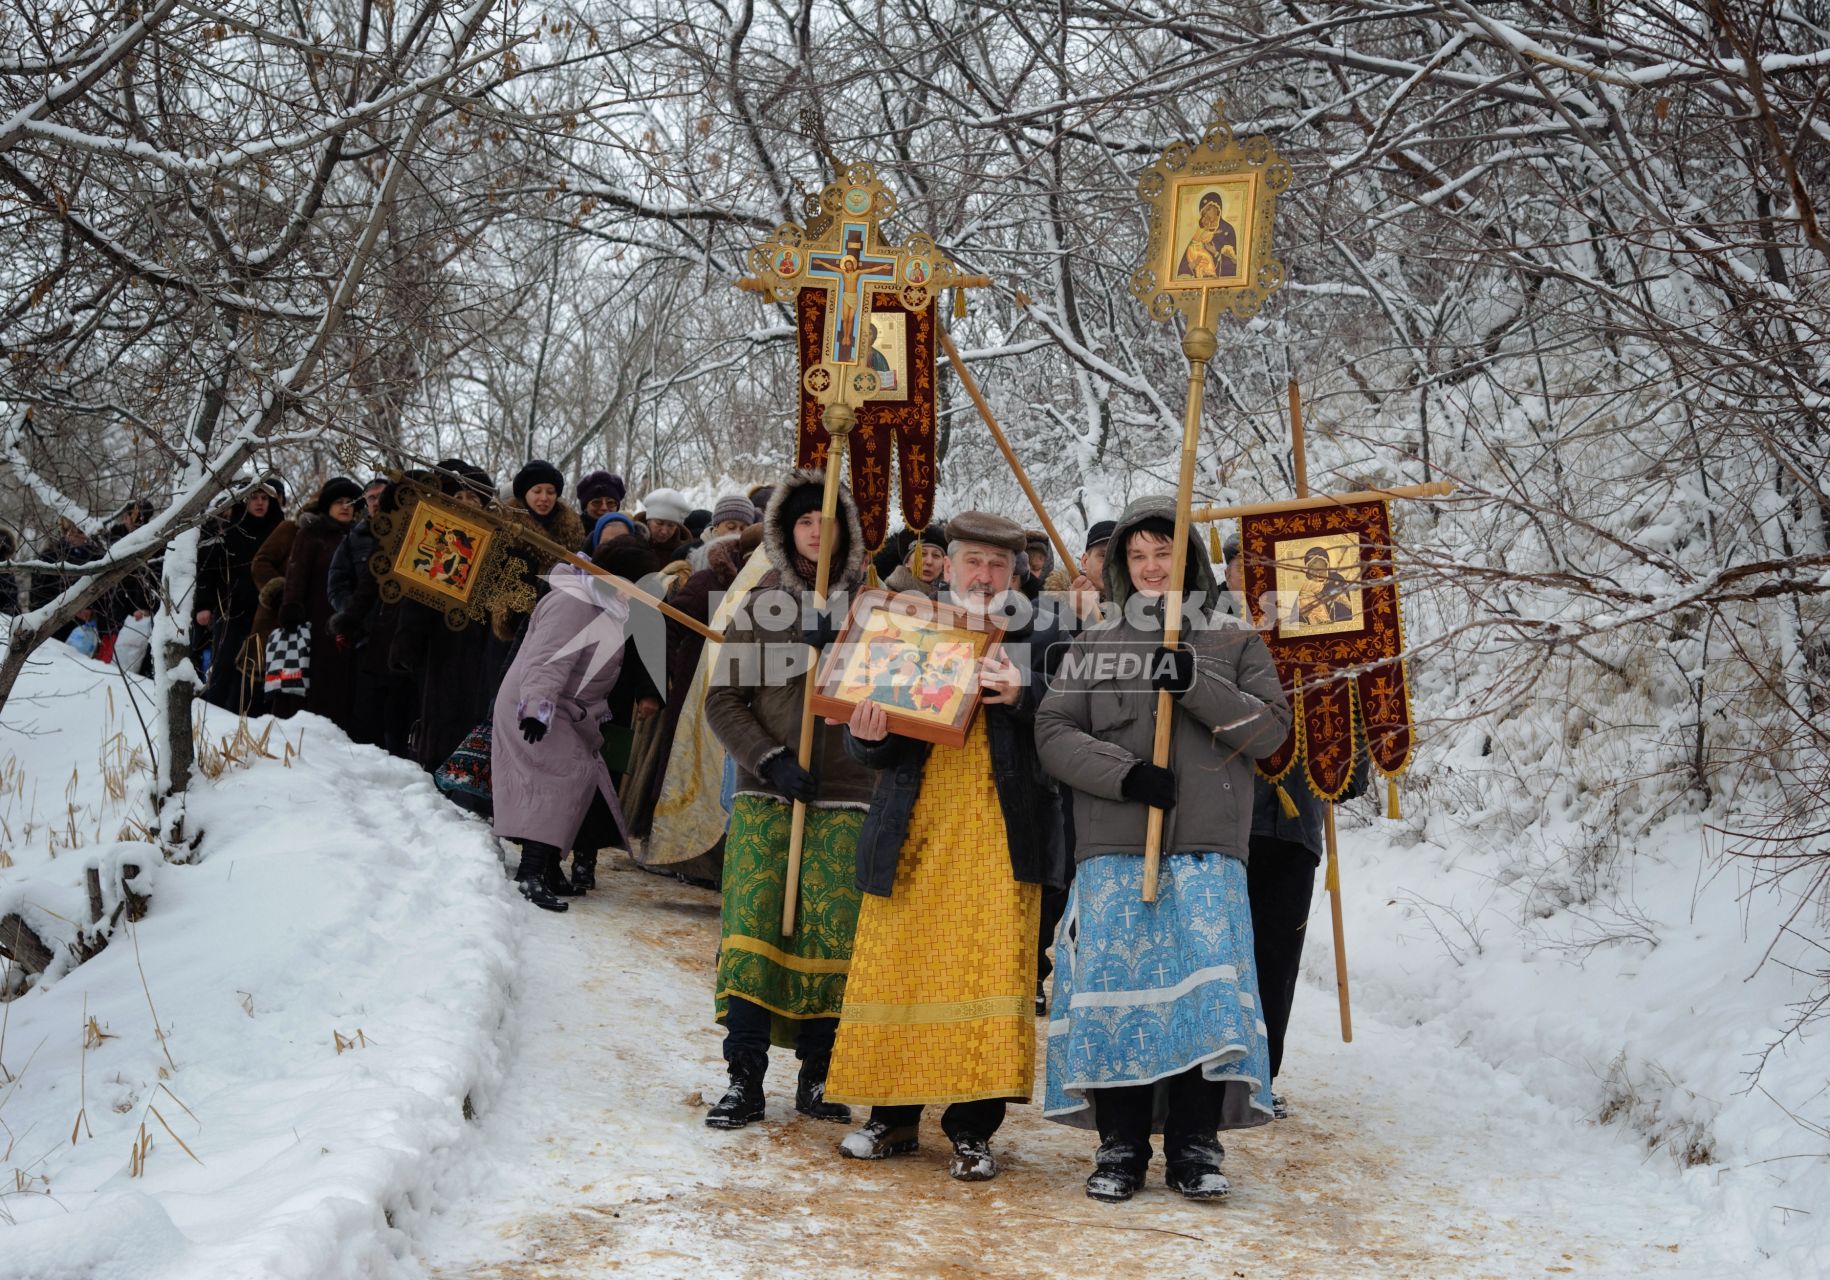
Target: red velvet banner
<point>1322,583</point>
<point>903,357</point>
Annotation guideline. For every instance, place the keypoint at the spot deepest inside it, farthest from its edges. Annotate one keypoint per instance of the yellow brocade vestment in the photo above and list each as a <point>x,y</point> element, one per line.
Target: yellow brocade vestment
<point>940,1004</point>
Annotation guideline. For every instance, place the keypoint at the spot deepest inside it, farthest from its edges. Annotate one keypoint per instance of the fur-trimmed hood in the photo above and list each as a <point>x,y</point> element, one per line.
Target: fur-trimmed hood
<point>777,540</point>
<point>563,526</point>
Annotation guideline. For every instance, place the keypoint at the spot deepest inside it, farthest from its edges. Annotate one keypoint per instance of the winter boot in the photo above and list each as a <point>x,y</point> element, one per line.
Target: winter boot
<point>743,1101</point>
<point>878,1140</point>
<point>556,882</point>
<point>810,1093</point>
<point>1117,1172</point>
<point>584,870</point>
<point>1280,1110</point>
<point>1194,1172</point>
<point>972,1159</point>
<point>532,876</point>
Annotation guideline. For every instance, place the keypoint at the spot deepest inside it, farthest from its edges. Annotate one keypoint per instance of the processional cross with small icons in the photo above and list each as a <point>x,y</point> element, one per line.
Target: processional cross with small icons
<point>842,251</point>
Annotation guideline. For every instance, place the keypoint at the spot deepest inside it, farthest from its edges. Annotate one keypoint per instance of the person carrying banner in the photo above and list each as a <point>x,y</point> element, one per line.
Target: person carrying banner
<point>1155,1024</point>
<point>771,988</point>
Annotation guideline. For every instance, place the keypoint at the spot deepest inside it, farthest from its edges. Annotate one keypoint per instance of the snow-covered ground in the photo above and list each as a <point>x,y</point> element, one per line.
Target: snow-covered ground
<point>336,895</point>
<point>1406,1156</point>
<point>1516,1102</point>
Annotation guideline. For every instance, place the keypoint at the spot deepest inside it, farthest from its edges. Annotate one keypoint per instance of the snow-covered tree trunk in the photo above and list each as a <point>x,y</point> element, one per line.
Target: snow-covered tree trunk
<point>175,686</point>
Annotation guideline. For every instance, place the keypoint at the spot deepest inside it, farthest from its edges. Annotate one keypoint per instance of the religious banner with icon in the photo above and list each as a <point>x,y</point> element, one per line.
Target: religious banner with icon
<point>865,315</point>
<point>1326,596</point>
<point>899,412</point>
<point>449,556</point>
<point>916,658</point>
<point>1210,207</point>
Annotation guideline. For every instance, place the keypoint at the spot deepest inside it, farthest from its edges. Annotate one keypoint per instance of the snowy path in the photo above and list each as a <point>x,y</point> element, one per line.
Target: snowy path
<point>1406,1157</point>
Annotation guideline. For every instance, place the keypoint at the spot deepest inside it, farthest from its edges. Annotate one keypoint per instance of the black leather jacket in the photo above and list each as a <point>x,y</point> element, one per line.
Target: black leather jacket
<point>1026,795</point>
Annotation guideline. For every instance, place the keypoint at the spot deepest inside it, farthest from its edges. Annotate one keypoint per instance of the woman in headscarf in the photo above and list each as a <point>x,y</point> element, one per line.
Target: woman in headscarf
<point>228,598</point>
<point>305,599</point>
<point>1155,1023</point>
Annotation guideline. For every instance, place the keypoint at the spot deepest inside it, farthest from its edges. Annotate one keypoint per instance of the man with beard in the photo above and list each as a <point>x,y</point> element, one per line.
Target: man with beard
<point>952,859</point>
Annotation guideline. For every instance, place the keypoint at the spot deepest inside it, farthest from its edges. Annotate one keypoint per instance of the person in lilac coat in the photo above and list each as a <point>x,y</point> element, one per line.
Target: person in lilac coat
<point>546,763</point>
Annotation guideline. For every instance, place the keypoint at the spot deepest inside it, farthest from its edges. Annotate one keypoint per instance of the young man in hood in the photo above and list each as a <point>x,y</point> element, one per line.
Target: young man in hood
<point>1155,1011</point>
<point>775,989</point>
<point>939,1004</point>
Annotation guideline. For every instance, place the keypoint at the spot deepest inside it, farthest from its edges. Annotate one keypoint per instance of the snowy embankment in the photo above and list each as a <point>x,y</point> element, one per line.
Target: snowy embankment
<point>1627,972</point>
<point>330,980</point>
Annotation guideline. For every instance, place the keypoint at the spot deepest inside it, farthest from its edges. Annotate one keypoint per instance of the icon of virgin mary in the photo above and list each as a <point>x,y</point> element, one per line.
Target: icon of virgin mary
<point>1213,250</point>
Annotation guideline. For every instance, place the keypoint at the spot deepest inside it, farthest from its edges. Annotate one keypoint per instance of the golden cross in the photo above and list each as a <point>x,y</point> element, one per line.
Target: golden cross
<point>843,252</point>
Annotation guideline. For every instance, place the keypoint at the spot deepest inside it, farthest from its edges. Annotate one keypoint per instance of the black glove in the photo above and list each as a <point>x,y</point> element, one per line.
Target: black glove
<point>785,774</point>
<point>1147,784</point>
<point>1173,669</point>
<point>346,624</point>
<point>821,630</point>
<point>533,730</point>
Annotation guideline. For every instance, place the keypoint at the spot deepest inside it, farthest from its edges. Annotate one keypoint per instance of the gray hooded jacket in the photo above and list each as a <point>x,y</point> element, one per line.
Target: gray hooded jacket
<point>1097,723</point>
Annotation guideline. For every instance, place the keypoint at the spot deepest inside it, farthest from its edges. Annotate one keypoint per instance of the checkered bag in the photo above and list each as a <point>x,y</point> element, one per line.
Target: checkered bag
<point>289,660</point>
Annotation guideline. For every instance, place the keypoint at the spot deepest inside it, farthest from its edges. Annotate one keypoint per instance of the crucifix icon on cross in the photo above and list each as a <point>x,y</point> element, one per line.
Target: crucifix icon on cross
<point>843,253</point>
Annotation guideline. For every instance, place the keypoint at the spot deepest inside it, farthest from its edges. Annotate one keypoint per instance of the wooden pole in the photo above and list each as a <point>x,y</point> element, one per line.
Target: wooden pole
<point>1332,881</point>
<point>1298,459</point>
<point>1333,885</point>
<point>997,434</point>
<point>1434,489</point>
<point>839,418</point>
<point>622,585</point>
<point>1198,345</point>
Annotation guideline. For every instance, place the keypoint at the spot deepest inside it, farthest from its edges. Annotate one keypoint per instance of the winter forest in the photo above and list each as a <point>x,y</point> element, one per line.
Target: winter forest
<point>1571,257</point>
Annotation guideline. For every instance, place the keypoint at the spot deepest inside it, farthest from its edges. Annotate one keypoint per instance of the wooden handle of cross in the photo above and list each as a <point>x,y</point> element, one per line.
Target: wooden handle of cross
<point>839,419</point>
<point>997,434</point>
<point>627,588</point>
<point>1198,345</point>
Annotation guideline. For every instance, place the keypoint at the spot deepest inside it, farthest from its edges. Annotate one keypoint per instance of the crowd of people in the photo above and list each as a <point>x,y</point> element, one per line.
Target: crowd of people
<point>947,896</point>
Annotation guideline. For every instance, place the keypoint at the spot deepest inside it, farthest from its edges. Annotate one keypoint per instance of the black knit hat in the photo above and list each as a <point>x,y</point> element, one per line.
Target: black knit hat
<point>335,488</point>
<point>601,484</point>
<point>538,472</point>
<point>275,487</point>
<point>456,475</point>
<point>1099,533</point>
<point>696,520</point>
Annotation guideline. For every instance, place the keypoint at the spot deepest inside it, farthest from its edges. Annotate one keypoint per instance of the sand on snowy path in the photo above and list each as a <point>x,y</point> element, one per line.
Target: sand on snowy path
<point>1404,1157</point>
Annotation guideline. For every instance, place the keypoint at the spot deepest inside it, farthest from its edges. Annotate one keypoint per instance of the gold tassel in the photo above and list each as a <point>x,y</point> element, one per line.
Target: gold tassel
<point>1332,882</point>
<point>1283,799</point>
<point>1215,552</point>
<point>919,547</point>
<point>959,304</point>
<point>1391,798</point>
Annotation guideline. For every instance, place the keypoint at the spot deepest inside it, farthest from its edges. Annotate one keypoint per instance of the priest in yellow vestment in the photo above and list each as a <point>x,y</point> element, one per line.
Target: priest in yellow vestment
<point>939,1006</point>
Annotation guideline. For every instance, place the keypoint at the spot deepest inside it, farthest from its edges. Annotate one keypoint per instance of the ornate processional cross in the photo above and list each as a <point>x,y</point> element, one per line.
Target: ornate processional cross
<point>842,252</point>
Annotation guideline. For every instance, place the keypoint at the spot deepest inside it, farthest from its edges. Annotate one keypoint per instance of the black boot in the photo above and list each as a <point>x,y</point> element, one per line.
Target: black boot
<point>972,1159</point>
<point>879,1140</point>
<point>556,882</point>
<point>1118,1171</point>
<point>531,876</point>
<point>584,870</point>
<point>1194,1172</point>
<point>743,1101</point>
<point>810,1093</point>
